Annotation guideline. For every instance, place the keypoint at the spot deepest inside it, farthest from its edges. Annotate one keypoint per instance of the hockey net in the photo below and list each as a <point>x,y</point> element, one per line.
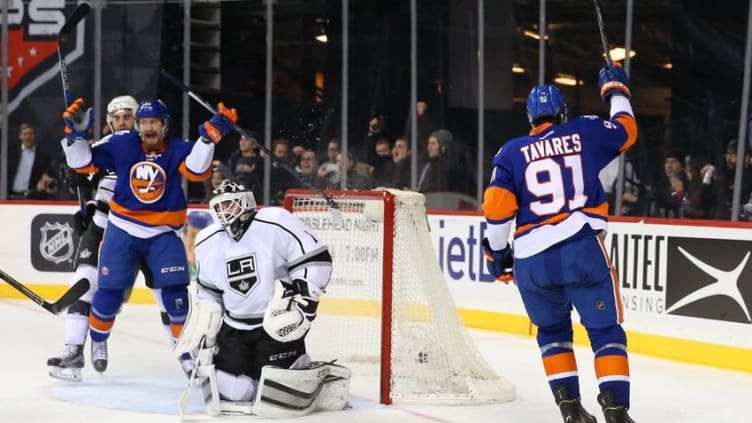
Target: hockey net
<point>388,310</point>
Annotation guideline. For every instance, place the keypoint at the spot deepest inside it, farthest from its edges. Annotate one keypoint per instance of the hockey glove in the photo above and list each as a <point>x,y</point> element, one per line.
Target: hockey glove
<point>613,80</point>
<point>219,125</point>
<point>291,310</point>
<point>78,123</point>
<point>82,224</point>
<point>499,262</point>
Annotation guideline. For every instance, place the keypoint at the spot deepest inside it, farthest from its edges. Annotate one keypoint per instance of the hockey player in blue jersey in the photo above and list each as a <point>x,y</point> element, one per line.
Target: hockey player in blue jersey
<point>546,183</point>
<point>148,208</point>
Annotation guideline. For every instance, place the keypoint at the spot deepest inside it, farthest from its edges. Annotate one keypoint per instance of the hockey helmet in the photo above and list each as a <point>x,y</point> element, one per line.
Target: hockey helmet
<point>153,109</point>
<point>233,206</point>
<point>546,101</point>
<point>121,102</point>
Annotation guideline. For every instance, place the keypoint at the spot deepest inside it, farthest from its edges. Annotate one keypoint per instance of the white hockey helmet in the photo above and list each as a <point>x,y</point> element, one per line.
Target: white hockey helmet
<point>233,206</point>
<point>118,103</point>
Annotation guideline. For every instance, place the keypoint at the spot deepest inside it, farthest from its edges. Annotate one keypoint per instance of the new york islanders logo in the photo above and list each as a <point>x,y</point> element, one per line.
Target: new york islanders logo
<point>32,45</point>
<point>148,182</point>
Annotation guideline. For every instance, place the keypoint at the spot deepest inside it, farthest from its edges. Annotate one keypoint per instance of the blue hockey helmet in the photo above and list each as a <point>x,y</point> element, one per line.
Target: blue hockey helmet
<point>546,101</point>
<point>153,109</point>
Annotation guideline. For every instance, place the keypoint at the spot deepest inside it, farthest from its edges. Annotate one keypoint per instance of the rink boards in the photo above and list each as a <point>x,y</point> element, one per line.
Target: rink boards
<point>686,290</point>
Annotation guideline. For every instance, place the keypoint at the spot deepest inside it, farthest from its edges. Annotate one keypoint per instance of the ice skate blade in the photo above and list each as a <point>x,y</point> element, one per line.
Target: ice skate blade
<point>70,374</point>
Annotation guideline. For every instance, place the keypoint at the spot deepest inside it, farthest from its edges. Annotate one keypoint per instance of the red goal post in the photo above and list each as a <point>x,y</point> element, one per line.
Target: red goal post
<point>388,311</point>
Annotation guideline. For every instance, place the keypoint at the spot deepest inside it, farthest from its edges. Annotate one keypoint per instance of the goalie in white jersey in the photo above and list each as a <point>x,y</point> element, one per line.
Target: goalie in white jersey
<point>264,272</point>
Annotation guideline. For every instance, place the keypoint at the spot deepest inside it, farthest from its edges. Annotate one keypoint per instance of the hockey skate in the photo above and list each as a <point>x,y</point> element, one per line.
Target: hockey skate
<point>67,365</point>
<point>614,413</point>
<point>99,355</point>
<point>571,409</point>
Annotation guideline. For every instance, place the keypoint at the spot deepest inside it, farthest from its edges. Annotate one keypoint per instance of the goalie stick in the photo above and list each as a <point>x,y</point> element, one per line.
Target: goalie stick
<point>69,297</point>
<point>62,38</point>
<point>336,213</point>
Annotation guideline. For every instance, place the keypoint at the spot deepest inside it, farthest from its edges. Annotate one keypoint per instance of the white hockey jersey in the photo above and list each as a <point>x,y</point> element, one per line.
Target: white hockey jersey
<point>241,275</point>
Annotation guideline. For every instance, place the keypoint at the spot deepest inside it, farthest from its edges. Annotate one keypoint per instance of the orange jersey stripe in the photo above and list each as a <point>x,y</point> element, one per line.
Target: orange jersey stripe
<point>550,221</point>
<point>614,282</point>
<point>499,203</point>
<point>88,169</point>
<point>611,365</point>
<point>560,363</point>
<point>192,176</point>
<point>600,210</point>
<point>154,218</point>
<point>630,124</point>
<point>100,325</point>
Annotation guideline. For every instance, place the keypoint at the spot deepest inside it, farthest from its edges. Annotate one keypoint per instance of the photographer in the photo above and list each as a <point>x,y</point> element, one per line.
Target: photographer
<point>47,189</point>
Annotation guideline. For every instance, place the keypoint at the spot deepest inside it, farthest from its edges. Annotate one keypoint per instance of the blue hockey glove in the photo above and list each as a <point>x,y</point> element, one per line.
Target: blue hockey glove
<point>499,262</point>
<point>613,80</point>
<point>219,125</point>
<point>79,124</point>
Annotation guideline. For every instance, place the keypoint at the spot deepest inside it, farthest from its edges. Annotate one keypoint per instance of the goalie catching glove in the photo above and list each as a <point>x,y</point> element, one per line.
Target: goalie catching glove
<point>499,262</point>
<point>219,125</point>
<point>78,123</point>
<point>291,310</point>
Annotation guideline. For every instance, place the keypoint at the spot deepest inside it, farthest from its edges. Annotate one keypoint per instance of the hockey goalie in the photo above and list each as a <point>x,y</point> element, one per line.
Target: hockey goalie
<point>261,274</point>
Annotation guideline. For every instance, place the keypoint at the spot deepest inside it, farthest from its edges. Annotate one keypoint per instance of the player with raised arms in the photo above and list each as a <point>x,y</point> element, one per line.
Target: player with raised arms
<point>547,184</point>
<point>148,207</point>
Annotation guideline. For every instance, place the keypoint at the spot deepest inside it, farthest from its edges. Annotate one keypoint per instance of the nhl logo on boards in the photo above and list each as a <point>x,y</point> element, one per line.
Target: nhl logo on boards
<point>32,45</point>
<point>53,242</point>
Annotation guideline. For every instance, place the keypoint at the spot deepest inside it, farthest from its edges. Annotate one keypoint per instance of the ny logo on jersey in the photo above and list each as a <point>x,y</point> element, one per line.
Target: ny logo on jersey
<point>148,181</point>
<point>241,273</point>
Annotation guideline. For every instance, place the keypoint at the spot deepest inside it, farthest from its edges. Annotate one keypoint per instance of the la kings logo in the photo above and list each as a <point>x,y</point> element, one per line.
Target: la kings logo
<point>241,273</point>
<point>710,279</point>
<point>32,45</point>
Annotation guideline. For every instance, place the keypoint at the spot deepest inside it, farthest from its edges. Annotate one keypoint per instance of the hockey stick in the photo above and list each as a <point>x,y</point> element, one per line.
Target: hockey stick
<point>602,30</point>
<point>336,213</point>
<point>69,297</point>
<point>62,38</point>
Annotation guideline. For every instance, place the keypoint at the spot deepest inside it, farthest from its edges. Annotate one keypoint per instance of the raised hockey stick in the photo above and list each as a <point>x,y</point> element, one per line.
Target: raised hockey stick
<point>69,297</point>
<point>334,207</point>
<point>602,30</point>
<point>62,38</point>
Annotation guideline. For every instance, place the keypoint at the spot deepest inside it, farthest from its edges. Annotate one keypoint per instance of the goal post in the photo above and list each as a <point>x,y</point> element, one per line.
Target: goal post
<point>388,311</point>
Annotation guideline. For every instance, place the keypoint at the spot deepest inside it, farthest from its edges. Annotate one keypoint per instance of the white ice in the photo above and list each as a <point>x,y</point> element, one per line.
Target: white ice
<point>144,381</point>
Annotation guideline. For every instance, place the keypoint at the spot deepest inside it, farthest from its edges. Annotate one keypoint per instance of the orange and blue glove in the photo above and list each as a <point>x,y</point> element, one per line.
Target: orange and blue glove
<point>214,129</point>
<point>500,263</point>
<point>79,124</point>
<point>613,80</point>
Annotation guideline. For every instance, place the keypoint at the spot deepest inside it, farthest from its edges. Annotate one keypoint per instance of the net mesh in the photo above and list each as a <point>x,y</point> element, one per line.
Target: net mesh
<point>432,356</point>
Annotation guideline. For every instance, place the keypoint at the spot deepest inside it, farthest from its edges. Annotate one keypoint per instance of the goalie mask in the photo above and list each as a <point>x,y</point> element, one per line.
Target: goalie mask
<point>233,206</point>
<point>546,103</point>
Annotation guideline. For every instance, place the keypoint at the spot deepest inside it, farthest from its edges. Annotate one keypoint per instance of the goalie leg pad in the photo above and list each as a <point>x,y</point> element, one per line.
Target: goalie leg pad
<point>286,393</point>
<point>204,320</point>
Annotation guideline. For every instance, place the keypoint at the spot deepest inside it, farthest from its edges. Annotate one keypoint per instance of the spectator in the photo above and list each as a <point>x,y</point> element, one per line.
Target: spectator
<point>728,178</point>
<point>281,176</point>
<point>220,172</point>
<point>26,163</point>
<point>355,179</point>
<point>383,165</point>
<point>47,188</point>
<point>376,131</point>
<point>328,169</point>
<point>699,200</point>
<point>401,170</point>
<point>308,170</point>
<point>297,151</point>
<point>669,192</point>
<point>246,165</point>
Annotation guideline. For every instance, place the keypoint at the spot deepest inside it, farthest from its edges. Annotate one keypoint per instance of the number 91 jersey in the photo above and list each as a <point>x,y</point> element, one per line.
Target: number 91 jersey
<point>549,182</point>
